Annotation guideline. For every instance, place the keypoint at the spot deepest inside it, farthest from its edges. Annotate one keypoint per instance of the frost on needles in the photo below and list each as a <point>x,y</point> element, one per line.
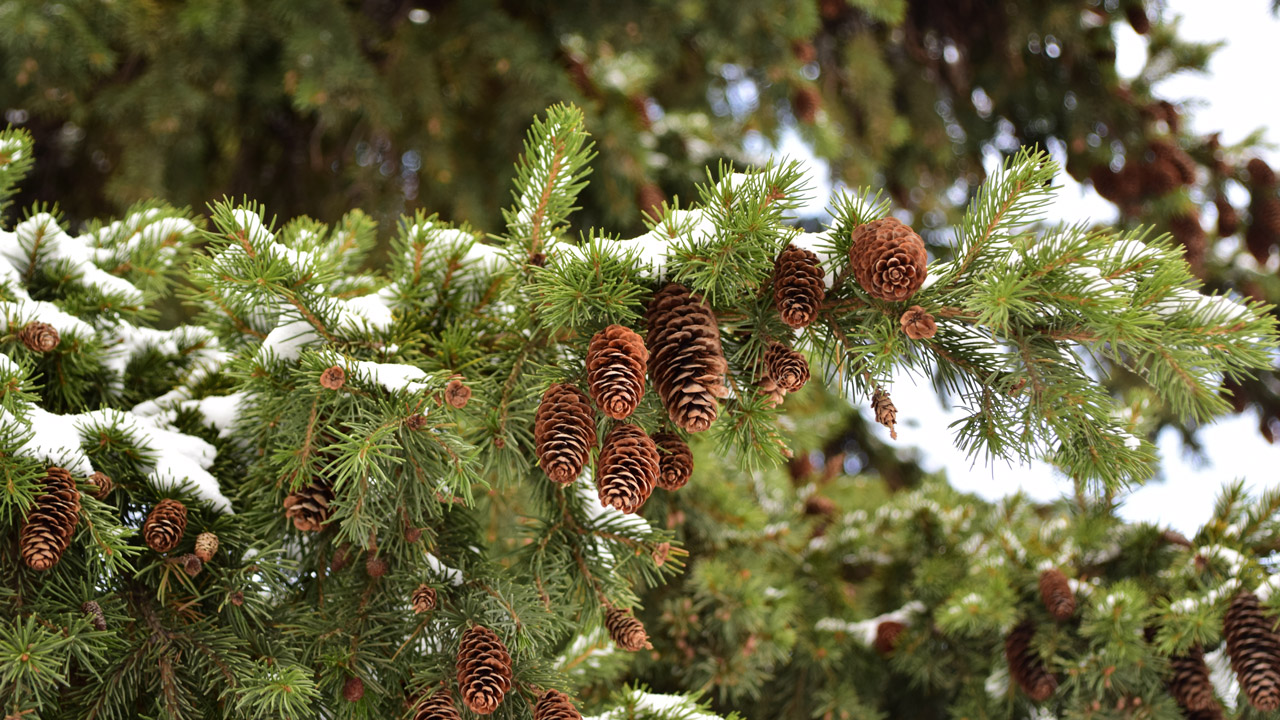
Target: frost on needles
<point>309,420</point>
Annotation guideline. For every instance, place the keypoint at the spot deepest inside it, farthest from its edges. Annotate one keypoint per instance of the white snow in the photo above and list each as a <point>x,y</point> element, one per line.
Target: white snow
<point>287,340</point>
<point>56,245</point>
<point>453,575</point>
<point>865,630</point>
<point>599,513</point>
<point>646,702</point>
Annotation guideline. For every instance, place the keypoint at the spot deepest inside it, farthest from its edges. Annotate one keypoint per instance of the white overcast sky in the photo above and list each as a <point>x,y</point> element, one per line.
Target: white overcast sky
<point>1237,97</point>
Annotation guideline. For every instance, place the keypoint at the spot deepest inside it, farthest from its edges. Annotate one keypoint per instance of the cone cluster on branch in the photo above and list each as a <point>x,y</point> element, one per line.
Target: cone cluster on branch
<point>675,465</point>
<point>918,324</point>
<point>564,432</point>
<point>308,506</point>
<point>888,259</point>
<point>616,364</point>
<point>555,705</point>
<point>785,371</point>
<point>1056,593</point>
<point>484,670</point>
<point>165,525</point>
<point>206,546</point>
<point>436,706</point>
<point>626,630</point>
<point>686,360</point>
<point>627,469</point>
<point>1254,648</point>
<point>51,521</point>
<point>798,286</point>
<point>1189,683</point>
<point>102,485</point>
<point>424,598</point>
<point>1025,667</point>
<point>39,337</point>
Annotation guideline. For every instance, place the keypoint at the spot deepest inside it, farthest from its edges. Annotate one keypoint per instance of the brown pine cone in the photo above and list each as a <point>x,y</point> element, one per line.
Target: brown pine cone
<point>416,421</point>
<point>806,101</point>
<point>333,378</point>
<point>649,199</point>
<point>555,705</point>
<point>165,525</point>
<point>1254,648</point>
<point>51,521</point>
<point>626,630</point>
<point>376,565</point>
<point>206,546</point>
<point>424,598</point>
<point>437,706</point>
<point>918,324</point>
<point>786,367</point>
<point>1189,682</point>
<point>798,287</point>
<point>1228,218</point>
<point>564,432</point>
<point>1260,173</point>
<point>484,670</point>
<point>94,611</point>
<point>457,394</point>
<point>1174,157</point>
<point>616,363</point>
<point>308,506</point>
<point>675,466</point>
<point>1190,234</point>
<point>1263,232</point>
<point>887,634</point>
<point>627,468</point>
<point>102,485</point>
<point>686,360</point>
<point>1056,593</point>
<point>886,413</point>
<point>1136,14</point>
<point>888,259</point>
<point>353,690</point>
<point>1025,667</point>
<point>192,565</point>
<point>1159,177</point>
<point>39,337</point>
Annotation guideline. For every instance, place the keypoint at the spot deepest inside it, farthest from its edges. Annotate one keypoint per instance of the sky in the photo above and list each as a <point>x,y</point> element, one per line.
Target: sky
<point>1230,99</point>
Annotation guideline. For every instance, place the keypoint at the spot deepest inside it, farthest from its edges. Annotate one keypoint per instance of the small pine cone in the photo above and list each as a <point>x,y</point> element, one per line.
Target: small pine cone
<point>236,598</point>
<point>686,360</point>
<point>627,469</point>
<point>564,432</point>
<point>1136,14</point>
<point>1159,177</point>
<point>416,421</point>
<point>1254,648</point>
<point>675,466</point>
<point>39,337</point>
<point>1263,232</point>
<point>376,565</point>
<point>1056,594</point>
<point>661,552</point>
<point>1176,158</point>
<point>1188,232</point>
<point>50,523</point>
<point>437,706</point>
<point>649,199</point>
<point>1189,682</point>
<point>192,565</point>
<point>887,634</point>
<point>918,324</point>
<point>165,525</point>
<point>424,598</point>
<point>333,378</point>
<point>774,394</point>
<point>786,367</point>
<point>806,101</point>
<point>1106,182</point>
<point>616,363</point>
<point>888,259</point>
<point>626,630</point>
<point>457,394</point>
<point>94,611</point>
<point>1260,173</point>
<point>798,287</point>
<point>341,558</point>
<point>886,413</point>
<point>308,506</point>
<point>819,505</point>
<point>1228,218</point>
<point>102,485</point>
<point>206,546</point>
<point>555,705</point>
<point>1025,667</point>
<point>353,690</point>
<point>484,670</point>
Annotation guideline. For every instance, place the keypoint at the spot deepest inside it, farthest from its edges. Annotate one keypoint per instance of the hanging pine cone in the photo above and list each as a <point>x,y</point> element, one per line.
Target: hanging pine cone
<point>1254,648</point>
<point>806,101</point>
<point>886,413</point>
<point>484,670</point>
<point>1025,667</point>
<point>437,706</point>
<point>50,523</point>
<point>918,324</point>
<point>887,633</point>
<point>888,259</point>
<point>626,630</point>
<point>333,378</point>
<point>165,525</point>
<point>308,506</point>
<point>1263,232</point>
<point>1228,218</point>
<point>39,337</point>
<point>616,363</point>
<point>1189,682</point>
<point>555,705</point>
<point>94,611</point>
<point>627,469</point>
<point>1260,173</point>
<point>1159,178</point>
<point>353,690</point>
<point>649,199</point>
<point>1190,234</point>
<point>102,485</point>
<point>1176,159</point>
<point>1136,14</point>
<point>786,367</point>
<point>675,465</point>
<point>206,546</point>
<point>564,432</point>
<point>686,359</point>
<point>1056,593</point>
<point>424,598</point>
<point>798,287</point>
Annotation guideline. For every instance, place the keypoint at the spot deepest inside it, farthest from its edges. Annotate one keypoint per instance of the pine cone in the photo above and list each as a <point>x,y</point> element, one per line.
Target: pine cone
<point>627,469</point>
<point>353,690</point>
<point>1056,593</point>
<point>457,394</point>
<point>918,324</point>
<point>1136,14</point>
<point>1174,157</point>
<point>887,634</point>
<point>1228,218</point>
<point>686,359</point>
<point>484,670</point>
<point>798,287</point>
<point>51,522</point>
<point>888,259</point>
<point>616,363</point>
<point>1189,682</point>
<point>1025,667</point>
<point>564,432</point>
<point>806,101</point>
<point>416,421</point>
<point>786,367</point>
<point>96,618</point>
<point>333,378</point>
<point>1260,173</point>
<point>626,630</point>
<point>1188,232</point>
<point>886,413</point>
<point>308,506</point>
<point>437,706</point>
<point>192,565</point>
<point>1159,178</point>
<point>102,485</point>
<point>675,465</point>
<point>555,705</point>
<point>1254,648</point>
<point>424,599</point>
<point>39,337</point>
<point>376,565</point>
<point>206,546</point>
<point>1263,232</point>
<point>649,199</point>
<point>165,525</point>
